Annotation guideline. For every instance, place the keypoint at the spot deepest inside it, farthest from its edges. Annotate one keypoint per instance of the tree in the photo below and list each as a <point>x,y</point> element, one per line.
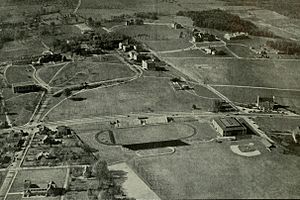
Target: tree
<point>216,105</point>
<point>67,92</point>
<point>101,172</point>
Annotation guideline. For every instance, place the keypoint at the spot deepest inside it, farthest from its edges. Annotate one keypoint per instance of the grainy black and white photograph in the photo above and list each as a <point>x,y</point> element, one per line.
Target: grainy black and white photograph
<point>149,99</point>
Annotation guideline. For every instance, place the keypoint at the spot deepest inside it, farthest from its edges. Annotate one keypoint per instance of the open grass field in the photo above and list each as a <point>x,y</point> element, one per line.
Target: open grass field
<point>241,51</point>
<point>195,53</point>
<point>151,32</point>
<point>140,95</point>
<point>40,177</point>
<point>153,133</point>
<point>2,177</point>
<point>280,130</point>
<point>19,197</point>
<point>167,45</point>
<point>248,95</point>
<point>21,107</point>
<point>16,49</point>
<point>211,170</point>
<point>157,37</point>
<point>19,74</point>
<point>276,124</point>
<point>264,73</point>
<point>88,134</point>
<point>90,71</point>
<point>47,72</point>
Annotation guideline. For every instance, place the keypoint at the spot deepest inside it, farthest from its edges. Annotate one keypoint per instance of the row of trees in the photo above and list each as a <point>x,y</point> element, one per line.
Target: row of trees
<point>224,21</point>
<point>147,15</point>
<point>288,47</point>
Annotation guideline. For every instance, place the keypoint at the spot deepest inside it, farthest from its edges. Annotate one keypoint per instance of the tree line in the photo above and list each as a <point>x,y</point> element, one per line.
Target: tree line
<point>285,46</point>
<point>224,21</point>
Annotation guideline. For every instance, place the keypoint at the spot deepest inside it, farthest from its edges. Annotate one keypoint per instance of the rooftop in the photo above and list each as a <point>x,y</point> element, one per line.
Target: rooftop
<point>229,123</point>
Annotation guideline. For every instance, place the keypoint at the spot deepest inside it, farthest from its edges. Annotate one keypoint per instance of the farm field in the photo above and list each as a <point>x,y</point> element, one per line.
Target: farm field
<point>140,95</point>
<point>153,133</point>
<point>186,175</point>
<point>21,107</point>
<point>90,71</point>
<point>40,177</point>
<point>249,95</point>
<point>243,72</point>
<point>19,74</point>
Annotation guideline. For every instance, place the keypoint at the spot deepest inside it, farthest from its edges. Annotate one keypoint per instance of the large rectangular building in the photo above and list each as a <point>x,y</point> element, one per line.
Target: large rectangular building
<point>229,126</point>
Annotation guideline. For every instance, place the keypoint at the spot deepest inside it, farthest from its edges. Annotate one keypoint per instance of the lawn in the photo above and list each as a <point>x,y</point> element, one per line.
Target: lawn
<point>40,177</point>
<point>90,71</point>
<point>211,170</point>
<point>249,95</point>
<point>140,95</point>
<point>21,107</point>
<point>229,71</point>
<point>19,74</point>
<point>153,133</point>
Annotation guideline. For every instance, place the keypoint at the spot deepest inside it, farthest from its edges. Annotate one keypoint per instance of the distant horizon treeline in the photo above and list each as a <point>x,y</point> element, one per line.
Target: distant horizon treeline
<point>285,46</point>
<point>288,8</point>
<point>221,20</point>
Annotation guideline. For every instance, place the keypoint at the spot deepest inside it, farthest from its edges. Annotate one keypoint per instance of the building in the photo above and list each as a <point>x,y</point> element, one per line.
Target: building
<point>176,25</point>
<point>25,87</point>
<point>126,48</point>
<point>34,190</point>
<point>134,22</point>
<point>236,36</point>
<point>133,55</point>
<point>197,38</point>
<point>265,103</point>
<point>229,126</point>
<point>209,50</point>
<point>148,64</point>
